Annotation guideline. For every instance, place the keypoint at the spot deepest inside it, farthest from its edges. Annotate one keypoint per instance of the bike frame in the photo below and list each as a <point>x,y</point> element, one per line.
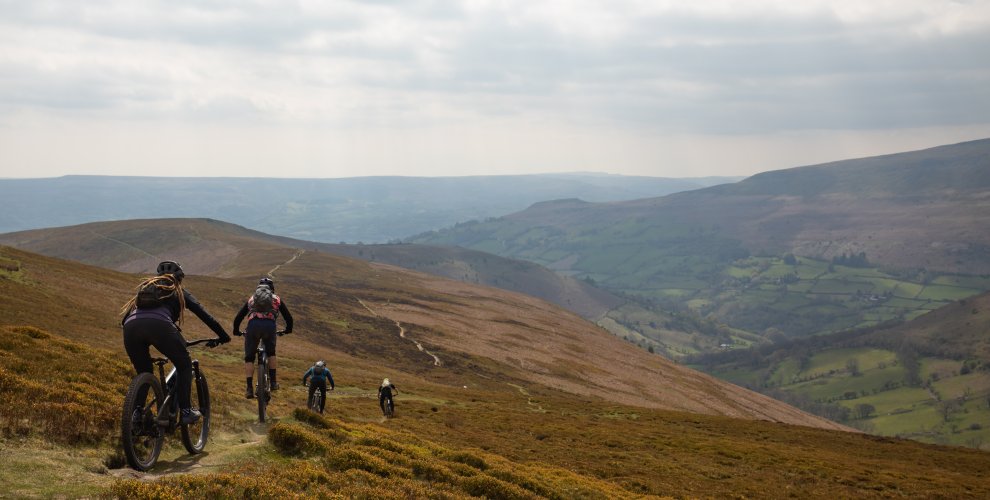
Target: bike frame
<point>170,384</point>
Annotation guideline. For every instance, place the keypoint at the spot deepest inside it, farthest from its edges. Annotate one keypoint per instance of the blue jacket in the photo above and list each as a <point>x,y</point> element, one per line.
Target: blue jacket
<point>319,377</point>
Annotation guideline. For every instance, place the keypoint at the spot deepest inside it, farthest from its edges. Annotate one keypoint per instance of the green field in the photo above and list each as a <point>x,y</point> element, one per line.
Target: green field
<point>947,408</point>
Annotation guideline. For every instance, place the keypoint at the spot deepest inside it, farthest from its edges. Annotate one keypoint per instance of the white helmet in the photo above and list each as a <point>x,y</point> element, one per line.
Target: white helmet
<point>320,364</point>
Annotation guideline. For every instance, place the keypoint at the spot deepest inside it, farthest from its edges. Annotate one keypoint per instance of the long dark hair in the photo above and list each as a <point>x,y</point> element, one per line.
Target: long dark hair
<point>167,286</point>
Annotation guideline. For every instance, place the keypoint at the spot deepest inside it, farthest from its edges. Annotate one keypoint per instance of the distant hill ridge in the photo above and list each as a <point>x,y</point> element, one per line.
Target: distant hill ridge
<point>963,167</point>
<point>754,257</point>
<point>357,209</point>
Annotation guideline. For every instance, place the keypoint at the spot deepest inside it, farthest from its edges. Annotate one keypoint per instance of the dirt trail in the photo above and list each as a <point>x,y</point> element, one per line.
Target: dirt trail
<point>222,451</point>
<point>294,257</point>
<point>402,334</point>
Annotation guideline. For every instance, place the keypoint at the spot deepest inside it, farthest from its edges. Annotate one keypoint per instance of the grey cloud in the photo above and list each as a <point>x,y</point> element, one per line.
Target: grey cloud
<point>676,72</point>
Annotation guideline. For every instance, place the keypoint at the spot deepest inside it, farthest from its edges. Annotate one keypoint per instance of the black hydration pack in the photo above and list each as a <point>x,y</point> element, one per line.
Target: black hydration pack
<point>152,295</point>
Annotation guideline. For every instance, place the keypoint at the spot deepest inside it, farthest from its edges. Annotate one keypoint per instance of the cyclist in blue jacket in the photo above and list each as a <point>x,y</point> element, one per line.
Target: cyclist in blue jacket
<point>318,376</point>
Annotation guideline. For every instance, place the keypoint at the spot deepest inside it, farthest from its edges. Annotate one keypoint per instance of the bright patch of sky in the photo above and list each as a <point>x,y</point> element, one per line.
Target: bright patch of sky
<point>340,89</point>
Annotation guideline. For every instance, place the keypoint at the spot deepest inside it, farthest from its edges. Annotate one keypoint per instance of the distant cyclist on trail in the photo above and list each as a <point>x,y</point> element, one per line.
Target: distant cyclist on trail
<point>385,393</point>
<point>261,308</point>
<point>153,317</point>
<point>318,376</point>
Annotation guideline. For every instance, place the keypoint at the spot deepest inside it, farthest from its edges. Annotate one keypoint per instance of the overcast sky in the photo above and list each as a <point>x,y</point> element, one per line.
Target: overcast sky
<point>341,89</point>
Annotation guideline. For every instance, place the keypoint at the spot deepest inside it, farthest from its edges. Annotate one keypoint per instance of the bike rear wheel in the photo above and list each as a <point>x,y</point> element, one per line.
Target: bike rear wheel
<point>389,408</point>
<point>264,391</point>
<point>194,436</point>
<point>140,433</point>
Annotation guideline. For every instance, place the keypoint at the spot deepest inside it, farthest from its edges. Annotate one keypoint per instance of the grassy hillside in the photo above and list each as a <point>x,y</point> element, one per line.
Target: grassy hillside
<point>802,251</point>
<point>928,379</point>
<point>378,312</point>
<point>487,439</point>
<point>528,402</point>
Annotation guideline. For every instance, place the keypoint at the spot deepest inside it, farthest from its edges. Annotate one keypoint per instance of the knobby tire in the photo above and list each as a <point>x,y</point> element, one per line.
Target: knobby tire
<point>142,440</point>
<point>194,436</point>
<point>263,390</point>
<point>315,401</point>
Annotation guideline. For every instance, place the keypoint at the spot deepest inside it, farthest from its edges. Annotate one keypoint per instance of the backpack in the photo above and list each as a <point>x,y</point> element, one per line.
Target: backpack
<point>151,296</point>
<point>263,300</point>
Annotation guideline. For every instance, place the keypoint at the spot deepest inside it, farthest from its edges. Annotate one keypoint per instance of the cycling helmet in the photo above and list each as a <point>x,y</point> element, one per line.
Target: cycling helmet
<point>267,282</point>
<point>320,364</point>
<point>171,267</point>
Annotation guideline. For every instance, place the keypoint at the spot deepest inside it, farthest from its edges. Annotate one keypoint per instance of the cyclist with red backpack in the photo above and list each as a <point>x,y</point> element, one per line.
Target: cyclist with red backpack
<point>261,309</point>
<point>153,317</point>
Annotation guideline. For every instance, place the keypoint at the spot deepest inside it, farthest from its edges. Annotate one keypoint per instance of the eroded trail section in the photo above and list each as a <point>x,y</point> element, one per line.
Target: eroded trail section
<point>402,334</point>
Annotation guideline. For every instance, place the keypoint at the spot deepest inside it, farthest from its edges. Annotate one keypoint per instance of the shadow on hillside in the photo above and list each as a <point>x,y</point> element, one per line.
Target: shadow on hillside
<point>179,465</point>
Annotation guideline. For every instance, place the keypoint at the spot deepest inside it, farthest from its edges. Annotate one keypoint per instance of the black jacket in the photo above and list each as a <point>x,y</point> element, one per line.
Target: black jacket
<point>193,305</point>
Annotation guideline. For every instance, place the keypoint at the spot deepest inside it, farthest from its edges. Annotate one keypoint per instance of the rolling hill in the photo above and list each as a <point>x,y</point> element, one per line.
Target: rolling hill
<point>801,251</point>
<point>119,245</point>
<point>359,209</point>
<point>528,401</point>
<point>526,337</point>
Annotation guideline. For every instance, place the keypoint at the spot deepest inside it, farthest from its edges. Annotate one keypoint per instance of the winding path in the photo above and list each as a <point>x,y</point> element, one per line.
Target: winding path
<point>294,257</point>
<point>402,334</point>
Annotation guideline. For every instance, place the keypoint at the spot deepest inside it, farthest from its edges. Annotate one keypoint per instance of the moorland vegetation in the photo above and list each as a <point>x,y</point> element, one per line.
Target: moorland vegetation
<point>476,425</point>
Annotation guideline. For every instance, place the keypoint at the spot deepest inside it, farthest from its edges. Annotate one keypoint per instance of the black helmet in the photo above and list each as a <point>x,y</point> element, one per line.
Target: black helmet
<point>267,282</point>
<point>171,267</point>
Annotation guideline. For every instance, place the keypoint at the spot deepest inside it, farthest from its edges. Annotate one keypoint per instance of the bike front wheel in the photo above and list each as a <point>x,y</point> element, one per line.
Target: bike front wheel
<point>194,436</point>
<point>140,433</point>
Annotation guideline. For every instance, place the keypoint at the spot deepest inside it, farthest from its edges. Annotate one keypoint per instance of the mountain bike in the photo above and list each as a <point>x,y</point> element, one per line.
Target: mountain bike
<point>145,422</point>
<point>316,401</point>
<point>389,409</point>
<point>263,388</point>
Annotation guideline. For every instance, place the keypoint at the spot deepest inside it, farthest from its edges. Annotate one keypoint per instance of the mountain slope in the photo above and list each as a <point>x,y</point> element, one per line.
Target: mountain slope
<point>130,246</point>
<point>914,220</point>
<point>360,308</point>
<point>471,426</point>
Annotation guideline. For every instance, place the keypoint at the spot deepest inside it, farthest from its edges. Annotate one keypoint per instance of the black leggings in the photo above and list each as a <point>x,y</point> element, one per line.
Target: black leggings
<point>259,330</point>
<point>139,334</point>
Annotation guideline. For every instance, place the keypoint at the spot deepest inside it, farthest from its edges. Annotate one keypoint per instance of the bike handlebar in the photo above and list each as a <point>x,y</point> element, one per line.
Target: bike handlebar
<point>208,342</point>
